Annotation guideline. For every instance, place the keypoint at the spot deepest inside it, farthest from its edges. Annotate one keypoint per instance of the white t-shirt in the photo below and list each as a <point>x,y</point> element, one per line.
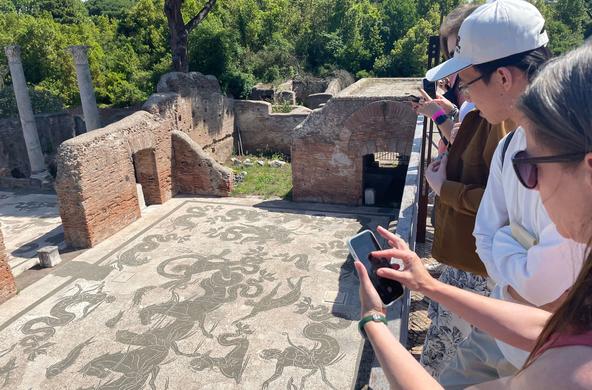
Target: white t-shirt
<point>464,109</point>
<point>540,274</point>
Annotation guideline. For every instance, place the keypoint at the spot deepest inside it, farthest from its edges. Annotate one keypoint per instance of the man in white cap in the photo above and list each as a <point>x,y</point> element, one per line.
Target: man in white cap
<point>500,48</point>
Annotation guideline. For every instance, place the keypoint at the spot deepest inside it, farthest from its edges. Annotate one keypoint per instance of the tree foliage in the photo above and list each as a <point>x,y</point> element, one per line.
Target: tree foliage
<point>240,41</point>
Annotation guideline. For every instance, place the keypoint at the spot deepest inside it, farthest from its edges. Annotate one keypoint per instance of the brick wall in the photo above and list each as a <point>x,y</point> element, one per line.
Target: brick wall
<point>195,172</point>
<point>212,113</point>
<point>7,285</point>
<point>53,129</point>
<point>328,148</point>
<point>262,130</point>
<point>96,183</point>
<point>98,171</point>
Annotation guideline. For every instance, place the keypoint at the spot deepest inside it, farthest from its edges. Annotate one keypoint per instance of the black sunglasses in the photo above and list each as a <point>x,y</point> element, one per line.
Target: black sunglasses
<point>526,167</point>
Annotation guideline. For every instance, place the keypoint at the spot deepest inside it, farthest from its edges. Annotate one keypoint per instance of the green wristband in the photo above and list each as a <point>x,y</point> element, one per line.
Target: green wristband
<point>374,318</point>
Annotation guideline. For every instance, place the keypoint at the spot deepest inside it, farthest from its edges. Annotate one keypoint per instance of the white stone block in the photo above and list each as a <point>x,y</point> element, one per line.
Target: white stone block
<point>141,200</point>
<point>277,163</point>
<point>49,256</point>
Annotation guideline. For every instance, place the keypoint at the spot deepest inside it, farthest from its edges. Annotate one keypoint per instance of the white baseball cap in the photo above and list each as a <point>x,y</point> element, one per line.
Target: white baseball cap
<point>495,30</point>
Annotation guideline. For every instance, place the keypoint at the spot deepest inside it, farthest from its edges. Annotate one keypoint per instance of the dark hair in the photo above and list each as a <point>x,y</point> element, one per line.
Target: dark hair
<point>557,104</point>
<point>529,62</point>
<point>451,25</point>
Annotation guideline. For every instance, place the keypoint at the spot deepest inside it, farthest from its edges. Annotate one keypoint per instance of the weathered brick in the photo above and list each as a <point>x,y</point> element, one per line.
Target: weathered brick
<point>98,171</point>
<point>7,284</point>
<point>373,115</point>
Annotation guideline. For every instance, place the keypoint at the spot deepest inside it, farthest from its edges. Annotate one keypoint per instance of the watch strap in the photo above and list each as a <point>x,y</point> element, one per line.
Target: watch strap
<point>370,318</point>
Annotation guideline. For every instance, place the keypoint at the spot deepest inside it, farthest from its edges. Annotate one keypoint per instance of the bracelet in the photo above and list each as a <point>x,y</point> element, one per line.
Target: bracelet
<point>438,113</point>
<point>441,119</point>
<point>375,317</point>
<point>453,113</point>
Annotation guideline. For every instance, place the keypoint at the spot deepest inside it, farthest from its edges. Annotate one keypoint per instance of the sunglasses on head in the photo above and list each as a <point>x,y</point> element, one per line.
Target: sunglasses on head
<point>526,167</point>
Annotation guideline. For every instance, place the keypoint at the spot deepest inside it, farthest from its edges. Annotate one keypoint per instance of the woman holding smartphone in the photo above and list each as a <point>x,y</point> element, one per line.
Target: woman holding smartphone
<point>558,164</point>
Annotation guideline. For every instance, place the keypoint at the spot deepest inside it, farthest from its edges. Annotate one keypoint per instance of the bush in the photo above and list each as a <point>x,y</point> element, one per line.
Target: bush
<point>41,100</point>
<point>238,84</point>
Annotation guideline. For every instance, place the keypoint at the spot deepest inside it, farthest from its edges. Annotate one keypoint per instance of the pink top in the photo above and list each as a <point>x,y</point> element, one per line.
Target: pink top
<point>567,340</point>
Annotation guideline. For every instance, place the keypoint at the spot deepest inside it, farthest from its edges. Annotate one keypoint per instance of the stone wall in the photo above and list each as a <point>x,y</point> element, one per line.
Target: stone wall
<point>195,172</point>
<point>212,112</point>
<point>373,115</point>
<point>261,130</point>
<point>53,129</point>
<point>313,92</point>
<point>7,285</point>
<point>98,171</point>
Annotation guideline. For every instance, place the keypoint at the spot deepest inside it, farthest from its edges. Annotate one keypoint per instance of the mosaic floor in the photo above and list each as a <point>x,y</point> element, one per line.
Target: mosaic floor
<point>29,222</point>
<point>203,294</point>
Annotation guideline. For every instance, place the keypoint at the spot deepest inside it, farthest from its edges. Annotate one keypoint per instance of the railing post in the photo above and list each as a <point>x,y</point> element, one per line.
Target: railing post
<point>426,149</point>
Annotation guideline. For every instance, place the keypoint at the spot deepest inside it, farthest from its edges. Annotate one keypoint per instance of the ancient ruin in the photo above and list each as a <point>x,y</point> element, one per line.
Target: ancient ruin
<point>29,127</point>
<point>87,92</point>
<point>329,148</point>
<point>98,172</point>
<point>262,130</point>
<point>202,277</point>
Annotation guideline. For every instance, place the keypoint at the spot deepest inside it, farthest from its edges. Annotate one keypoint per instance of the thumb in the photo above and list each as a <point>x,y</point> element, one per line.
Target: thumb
<point>362,274</point>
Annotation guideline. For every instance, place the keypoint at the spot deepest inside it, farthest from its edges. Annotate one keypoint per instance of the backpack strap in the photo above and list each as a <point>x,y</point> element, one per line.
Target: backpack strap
<point>506,144</point>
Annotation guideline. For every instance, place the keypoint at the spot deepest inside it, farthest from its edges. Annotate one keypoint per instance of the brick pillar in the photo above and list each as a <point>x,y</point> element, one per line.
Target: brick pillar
<point>7,285</point>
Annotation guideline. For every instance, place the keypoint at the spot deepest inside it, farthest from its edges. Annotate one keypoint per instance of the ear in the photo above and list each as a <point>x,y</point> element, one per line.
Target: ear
<point>588,170</point>
<point>505,78</point>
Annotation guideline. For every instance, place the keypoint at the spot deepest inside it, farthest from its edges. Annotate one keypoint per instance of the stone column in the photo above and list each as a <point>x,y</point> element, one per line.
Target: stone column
<point>23,101</point>
<point>87,92</point>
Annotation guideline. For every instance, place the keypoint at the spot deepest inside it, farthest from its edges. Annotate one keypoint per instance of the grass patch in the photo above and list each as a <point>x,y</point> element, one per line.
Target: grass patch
<point>283,108</point>
<point>265,181</point>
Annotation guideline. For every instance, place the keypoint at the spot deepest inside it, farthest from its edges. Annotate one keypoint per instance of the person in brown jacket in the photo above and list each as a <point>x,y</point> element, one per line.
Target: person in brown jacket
<point>458,178</point>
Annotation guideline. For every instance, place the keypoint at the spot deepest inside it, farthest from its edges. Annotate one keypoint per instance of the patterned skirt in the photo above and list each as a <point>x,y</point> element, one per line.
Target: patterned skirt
<point>447,329</point>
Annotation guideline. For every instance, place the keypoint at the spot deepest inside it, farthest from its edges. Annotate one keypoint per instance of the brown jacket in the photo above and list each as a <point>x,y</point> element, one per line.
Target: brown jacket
<point>467,170</point>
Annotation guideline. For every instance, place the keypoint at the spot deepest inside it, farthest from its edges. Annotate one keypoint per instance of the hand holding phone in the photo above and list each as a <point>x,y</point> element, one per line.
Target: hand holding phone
<point>360,247</point>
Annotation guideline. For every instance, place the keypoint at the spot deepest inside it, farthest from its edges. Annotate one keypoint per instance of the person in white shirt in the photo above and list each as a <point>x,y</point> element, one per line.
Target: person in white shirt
<point>557,163</point>
<point>500,48</point>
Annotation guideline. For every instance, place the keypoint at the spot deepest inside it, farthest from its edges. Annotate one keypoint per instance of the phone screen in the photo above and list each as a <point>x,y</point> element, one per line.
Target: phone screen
<point>361,246</point>
<point>430,88</point>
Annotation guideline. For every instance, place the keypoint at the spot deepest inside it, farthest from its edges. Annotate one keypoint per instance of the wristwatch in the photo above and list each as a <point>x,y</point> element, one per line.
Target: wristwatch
<point>375,317</point>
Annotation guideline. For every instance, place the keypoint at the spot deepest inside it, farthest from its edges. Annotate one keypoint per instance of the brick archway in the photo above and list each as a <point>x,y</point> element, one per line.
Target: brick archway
<point>371,116</point>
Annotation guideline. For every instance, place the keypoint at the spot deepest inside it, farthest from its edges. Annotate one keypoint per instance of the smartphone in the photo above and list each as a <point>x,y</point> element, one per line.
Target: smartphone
<point>360,247</point>
<point>430,88</point>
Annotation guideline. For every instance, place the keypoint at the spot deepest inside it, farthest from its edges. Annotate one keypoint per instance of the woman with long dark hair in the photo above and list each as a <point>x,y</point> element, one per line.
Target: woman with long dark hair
<point>557,163</point>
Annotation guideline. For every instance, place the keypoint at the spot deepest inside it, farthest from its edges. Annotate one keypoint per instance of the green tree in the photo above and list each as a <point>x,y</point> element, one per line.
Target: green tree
<point>7,6</point>
<point>572,13</point>
<point>111,8</point>
<point>179,29</point>
<point>398,17</point>
<point>63,11</point>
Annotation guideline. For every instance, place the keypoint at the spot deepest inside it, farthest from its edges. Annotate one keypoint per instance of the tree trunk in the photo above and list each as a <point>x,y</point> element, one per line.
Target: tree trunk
<point>180,31</point>
<point>178,35</point>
